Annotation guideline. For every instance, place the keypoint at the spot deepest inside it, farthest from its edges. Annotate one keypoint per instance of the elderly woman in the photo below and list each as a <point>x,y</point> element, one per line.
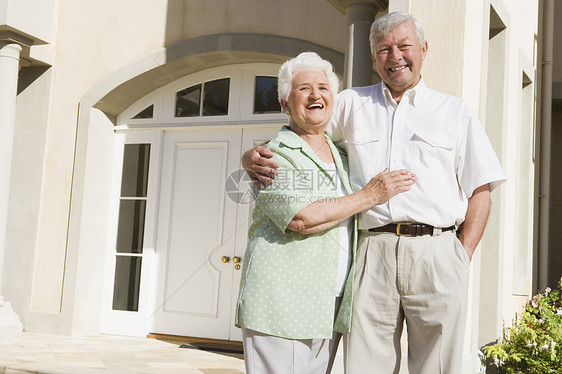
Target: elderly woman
<point>301,242</point>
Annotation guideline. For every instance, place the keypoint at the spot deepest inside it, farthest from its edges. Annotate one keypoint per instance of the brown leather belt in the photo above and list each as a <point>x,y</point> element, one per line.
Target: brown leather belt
<point>411,229</point>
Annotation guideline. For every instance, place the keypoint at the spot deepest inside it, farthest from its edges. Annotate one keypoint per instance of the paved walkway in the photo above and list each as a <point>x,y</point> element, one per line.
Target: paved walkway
<point>44,354</point>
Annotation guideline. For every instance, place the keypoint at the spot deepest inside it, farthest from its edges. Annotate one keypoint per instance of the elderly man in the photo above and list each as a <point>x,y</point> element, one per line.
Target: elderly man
<point>412,264</point>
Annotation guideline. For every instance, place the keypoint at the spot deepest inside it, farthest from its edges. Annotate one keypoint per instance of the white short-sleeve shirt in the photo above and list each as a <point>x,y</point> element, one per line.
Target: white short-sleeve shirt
<point>346,229</point>
<point>434,135</point>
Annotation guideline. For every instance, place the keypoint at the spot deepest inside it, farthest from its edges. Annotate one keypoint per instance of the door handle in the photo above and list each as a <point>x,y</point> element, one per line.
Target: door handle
<point>225,259</point>
<point>236,259</point>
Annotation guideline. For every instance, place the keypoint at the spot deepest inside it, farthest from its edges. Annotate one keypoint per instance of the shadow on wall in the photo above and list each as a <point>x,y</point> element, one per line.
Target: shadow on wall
<point>219,33</point>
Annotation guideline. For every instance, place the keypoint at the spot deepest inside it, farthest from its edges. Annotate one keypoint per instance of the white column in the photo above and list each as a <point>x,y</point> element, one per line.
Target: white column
<point>10,324</point>
<point>358,66</point>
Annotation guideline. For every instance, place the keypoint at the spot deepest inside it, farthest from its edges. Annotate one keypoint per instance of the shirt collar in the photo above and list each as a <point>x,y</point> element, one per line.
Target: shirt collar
<point>289,138</point>
<point>413,94</point>
<point>292,140</point>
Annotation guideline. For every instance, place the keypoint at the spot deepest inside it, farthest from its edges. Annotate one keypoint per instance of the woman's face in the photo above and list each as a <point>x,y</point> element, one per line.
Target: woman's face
<point>310,101</point>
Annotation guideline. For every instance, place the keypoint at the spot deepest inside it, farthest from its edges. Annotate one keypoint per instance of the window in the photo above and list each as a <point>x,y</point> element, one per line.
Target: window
<point>215,99</point>
<point>145,113</point>
<point>265,96</point>
<point>215,102</point>
<point>130,227</point>
<point>188,102</point>
<point>222,96</point>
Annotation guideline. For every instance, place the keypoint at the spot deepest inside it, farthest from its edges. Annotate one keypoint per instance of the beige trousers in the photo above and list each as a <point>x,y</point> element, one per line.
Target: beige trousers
<point>420,280</point>
<point>268,354</point>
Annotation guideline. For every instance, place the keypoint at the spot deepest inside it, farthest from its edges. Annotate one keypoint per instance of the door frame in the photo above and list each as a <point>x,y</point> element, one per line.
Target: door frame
<point>126,322</point>
<point>139,323</point>
<point>151,130</point>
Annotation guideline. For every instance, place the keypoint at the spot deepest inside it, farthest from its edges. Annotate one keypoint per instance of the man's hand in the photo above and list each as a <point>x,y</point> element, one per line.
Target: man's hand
<point>477,214</point>
<point>259,167</point>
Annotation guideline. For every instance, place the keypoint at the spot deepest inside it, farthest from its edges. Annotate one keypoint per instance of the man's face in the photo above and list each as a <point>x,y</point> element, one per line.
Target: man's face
<point>398,58</point>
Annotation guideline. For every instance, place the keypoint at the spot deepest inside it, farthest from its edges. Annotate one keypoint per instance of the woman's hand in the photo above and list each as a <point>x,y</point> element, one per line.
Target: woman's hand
<point>388,184</point>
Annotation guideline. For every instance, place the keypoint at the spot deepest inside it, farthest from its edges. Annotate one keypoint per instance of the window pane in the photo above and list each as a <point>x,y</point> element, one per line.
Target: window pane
<point>130,229</point>
<point>134,178</point>
<point>145,113</point>
<point>265,96</point>
<point>188,102</point>
<point>127,283</point>
<point>216,97</point>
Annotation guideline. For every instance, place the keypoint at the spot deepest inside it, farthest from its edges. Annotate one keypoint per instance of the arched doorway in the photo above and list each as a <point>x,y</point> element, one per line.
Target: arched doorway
<point>180,216</point>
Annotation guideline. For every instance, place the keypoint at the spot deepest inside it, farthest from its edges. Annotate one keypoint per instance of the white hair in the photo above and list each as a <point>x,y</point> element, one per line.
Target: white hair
<point>385,24</point>
<point>304,61</point>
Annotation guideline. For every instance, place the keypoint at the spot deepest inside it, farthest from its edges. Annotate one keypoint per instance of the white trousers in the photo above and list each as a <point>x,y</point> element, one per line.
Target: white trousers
<point>268,354</point>
<point>420,280</point>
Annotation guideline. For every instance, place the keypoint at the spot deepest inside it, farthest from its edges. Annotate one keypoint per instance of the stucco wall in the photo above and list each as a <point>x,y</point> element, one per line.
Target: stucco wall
<point>463,61</point>
<point>506,111</point>
<point>517,156</point>
<point>94,39</point>
<point>30,17</point>
<point>314,20</point>
<point>445,36</point>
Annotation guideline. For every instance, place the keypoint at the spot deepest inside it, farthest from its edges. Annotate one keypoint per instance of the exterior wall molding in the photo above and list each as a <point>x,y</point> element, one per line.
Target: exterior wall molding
<point>342,4</point>
<point>12,35</point>
<point>29,54</point>
<point>125,86</point>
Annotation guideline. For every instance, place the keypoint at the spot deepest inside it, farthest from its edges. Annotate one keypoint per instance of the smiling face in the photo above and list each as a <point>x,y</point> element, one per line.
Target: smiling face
<point>310,102</point>
<point>398,58</point>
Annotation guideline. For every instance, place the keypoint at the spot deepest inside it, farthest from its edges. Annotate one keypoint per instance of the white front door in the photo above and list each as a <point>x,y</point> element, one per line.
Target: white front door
<point>201,229</point>
<point>251,137</point>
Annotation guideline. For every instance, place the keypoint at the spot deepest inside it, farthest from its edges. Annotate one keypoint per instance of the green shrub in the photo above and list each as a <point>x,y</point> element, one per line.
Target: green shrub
<point>534,344</point>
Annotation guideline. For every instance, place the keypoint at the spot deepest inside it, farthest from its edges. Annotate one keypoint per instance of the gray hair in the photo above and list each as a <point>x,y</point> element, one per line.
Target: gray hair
<point>385,24</point>
<point>304,61</point>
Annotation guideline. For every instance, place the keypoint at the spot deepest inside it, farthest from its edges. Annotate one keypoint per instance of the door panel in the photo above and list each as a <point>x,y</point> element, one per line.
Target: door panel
<point>201,220</point>
<point>251,137</point>
<point>196,228</point>
<point>196,222</point>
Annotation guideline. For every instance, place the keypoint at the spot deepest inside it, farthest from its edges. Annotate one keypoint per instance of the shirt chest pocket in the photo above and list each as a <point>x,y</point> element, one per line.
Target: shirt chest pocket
<point>431,152</point>
<point>364,155</point>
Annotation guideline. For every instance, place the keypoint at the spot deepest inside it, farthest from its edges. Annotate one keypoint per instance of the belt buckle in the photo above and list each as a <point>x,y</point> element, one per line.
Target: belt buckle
<point>398,225</point>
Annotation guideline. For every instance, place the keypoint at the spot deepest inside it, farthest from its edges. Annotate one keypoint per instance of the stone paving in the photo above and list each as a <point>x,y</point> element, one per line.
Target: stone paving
<point>44,354</point>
